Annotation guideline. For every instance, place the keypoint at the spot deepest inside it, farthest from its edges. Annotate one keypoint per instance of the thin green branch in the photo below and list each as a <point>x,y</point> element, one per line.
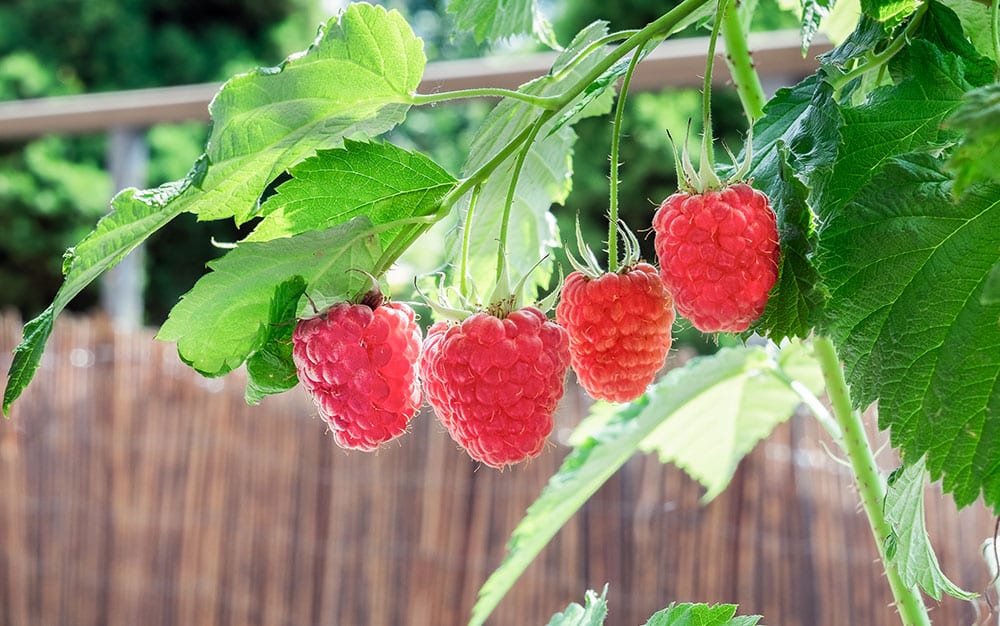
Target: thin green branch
<point>463,267</point>
<point>413,228</point>
<point>544,102</point>
<point>876,61</point>
<point>707,163</point>
<point>995,29</point>
<point>616,133</point>
<point>867,479</point>
<point>596,45</point>
<point>657,29</point>
<point>480,175</point>
<point>515,177</point>
<point>740,62</point>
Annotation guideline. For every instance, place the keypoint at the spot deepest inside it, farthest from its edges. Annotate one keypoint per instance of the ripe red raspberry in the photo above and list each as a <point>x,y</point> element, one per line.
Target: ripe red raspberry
<point>619,330</point>
<point>718,253</point>
<point>495,383</point>
<point>359,366</point>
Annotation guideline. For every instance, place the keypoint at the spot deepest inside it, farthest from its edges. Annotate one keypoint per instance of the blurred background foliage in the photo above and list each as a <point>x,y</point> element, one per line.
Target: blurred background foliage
<point>53,189</point>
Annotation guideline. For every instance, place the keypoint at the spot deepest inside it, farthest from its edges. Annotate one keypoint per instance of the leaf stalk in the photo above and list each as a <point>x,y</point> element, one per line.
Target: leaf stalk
<point>544,102</point>
<point>879,60</point>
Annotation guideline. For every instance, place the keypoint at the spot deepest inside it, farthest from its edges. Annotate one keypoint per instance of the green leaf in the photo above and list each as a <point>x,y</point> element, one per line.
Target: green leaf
<point>356,79</point>
<point>226,316</point>
<point>942,27</point>
<point>270,369</point>
<point>710,434</point>
<point>892,11</point>
<point>914,557</point>
<point>795,146</point>
<point>545,178</point>
<point>380,180</point>
<point>901,118</point>
<point>135,216</point>
<point>975,19</point>
<point>27,356</point>
<point>497,20</point>
<point>868,35</point>
<point>978,118</point>
<point>618,437</point>
<point>813,12</point>
<point>592,614</point>
<point>687,614</point>
<point>991,290</point>
<point>906,266</point>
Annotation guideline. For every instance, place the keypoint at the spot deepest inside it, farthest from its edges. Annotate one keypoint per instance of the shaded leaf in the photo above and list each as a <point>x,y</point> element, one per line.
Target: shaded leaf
<point>978,118</point>
<point>894,120</point>
<point>914,556</point>
<point>593,613</point>
<point>226,316</point>
<point>710,434</point>
<point>270,369</point>
<point>795,147</point>
<point>617,436</point>
<point>907,266</point>
<point>975,19</point>
<point>497,20</point>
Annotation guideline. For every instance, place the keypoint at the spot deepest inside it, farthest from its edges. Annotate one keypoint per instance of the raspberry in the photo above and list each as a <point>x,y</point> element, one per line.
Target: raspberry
<point>495,383</point>
<point>359,366</point>
<point>718,253</point>
<point>619,330</point>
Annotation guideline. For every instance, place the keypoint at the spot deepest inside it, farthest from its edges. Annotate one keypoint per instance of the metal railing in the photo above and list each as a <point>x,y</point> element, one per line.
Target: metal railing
<point>125,115</point>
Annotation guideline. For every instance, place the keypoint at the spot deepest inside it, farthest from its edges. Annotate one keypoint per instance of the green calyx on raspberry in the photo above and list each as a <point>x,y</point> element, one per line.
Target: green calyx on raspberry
<point>358,363</point>
<point>494,372</point>
<point>494,383</point>
<point>619,323</point>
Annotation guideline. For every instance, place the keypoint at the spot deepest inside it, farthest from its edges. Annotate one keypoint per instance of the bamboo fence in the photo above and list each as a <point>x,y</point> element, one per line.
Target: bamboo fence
<point>135,492</point>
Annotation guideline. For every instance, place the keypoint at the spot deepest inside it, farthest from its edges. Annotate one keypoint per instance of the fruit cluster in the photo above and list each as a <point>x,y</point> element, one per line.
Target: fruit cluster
<point>494,379</point>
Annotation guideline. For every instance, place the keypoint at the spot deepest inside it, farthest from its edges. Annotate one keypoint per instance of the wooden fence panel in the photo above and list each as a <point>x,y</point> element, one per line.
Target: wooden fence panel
<point>135,492</point>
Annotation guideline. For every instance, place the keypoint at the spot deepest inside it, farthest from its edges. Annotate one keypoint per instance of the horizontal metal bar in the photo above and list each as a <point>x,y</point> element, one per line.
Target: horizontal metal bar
<point>675,63</point>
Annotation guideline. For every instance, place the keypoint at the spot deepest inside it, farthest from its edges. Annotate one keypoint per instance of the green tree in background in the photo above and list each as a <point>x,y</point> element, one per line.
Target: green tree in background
<point>52,189</point>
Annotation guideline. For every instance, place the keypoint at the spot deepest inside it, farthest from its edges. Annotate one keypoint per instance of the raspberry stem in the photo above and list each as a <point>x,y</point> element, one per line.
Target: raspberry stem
<point>616,133</point>
<point>657,29</point>
<point>463,267</point>
<point>867,479</point>
<point>515,176</point>
<point>740,62</point>
<point>707,178</point>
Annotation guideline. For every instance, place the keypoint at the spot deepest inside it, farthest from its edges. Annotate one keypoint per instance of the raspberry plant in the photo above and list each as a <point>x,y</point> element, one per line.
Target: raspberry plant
<point>880,169</point>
